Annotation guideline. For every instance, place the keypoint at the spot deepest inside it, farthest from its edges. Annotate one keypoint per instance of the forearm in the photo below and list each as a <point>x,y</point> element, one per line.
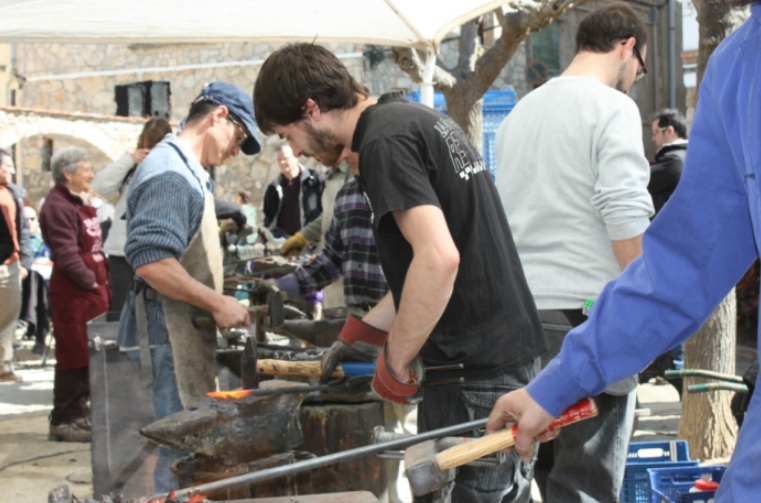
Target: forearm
<point>108,181</point>
<point>169,278</point>
<point>382,316</point>
<point>627,250</point>
<point>427,290</point>
<point>321,271</point>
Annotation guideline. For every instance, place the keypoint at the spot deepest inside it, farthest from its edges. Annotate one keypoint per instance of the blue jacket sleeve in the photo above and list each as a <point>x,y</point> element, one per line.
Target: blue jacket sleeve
<point>693,254</point>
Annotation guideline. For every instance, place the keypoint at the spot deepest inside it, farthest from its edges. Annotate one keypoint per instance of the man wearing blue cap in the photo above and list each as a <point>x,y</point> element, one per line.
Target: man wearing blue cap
<point>173,246</point>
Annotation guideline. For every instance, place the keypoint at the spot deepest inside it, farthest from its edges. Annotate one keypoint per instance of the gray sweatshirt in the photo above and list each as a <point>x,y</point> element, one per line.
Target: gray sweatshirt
<point>572,176</point>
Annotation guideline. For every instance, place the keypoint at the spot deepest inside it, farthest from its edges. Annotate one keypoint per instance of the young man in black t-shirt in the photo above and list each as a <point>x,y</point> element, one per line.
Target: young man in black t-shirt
<point>458,293</point>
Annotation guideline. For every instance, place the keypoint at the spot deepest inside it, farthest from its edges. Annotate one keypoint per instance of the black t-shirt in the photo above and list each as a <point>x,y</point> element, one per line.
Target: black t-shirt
<point>411,155</point>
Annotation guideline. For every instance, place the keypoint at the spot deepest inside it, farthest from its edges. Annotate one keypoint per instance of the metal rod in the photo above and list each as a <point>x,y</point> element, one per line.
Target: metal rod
<point>673,374</point>
<point>715,386</point>
<point>309,464</point>
<point>445,368</point>
<point>456,380</point>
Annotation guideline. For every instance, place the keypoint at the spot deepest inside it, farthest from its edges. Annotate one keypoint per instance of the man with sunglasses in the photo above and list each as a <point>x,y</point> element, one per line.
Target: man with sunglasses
<point>173,246</point>
<point>572,176</point>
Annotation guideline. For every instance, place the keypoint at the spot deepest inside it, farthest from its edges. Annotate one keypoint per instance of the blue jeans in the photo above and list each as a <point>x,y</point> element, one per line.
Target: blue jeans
<point>458,403</point>
<point>586,463</point>
<point>166,401</point>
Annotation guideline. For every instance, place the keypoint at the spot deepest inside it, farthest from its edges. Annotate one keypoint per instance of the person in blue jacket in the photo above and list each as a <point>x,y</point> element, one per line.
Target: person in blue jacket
<point>697,249</point>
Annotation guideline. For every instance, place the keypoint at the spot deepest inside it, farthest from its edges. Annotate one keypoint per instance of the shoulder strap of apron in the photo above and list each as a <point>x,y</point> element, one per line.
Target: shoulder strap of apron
<point>187,165</point>
<point>144,291</point>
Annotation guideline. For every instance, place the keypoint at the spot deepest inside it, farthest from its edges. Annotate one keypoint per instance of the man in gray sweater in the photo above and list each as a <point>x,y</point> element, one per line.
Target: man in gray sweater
<point>572,176</point>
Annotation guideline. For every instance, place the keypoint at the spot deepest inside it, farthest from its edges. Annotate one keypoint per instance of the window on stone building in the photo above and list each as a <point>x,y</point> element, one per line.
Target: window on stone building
<point>46,153</point>
<point>545,46</point>
<point>149,99</point>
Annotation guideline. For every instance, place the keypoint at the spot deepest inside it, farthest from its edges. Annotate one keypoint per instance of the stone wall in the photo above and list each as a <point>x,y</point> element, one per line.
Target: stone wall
<point>102,136</point>
<point>74,90</point>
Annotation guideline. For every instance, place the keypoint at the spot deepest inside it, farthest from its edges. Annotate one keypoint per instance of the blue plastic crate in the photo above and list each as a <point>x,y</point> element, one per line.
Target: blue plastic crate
<point>644,455</point>
<point>672,485</point>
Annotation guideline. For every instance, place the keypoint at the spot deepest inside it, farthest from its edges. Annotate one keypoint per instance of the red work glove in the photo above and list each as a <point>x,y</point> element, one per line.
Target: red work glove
<point>391,390</point>
<point>357,341</point>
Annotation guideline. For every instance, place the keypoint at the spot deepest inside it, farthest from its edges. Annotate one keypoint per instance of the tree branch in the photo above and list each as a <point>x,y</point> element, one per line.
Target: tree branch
<point>409,61</point>
<point>521,18</point>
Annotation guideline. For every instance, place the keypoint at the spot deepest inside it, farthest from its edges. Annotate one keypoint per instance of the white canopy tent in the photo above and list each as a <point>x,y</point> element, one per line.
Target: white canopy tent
<point>415,23</point>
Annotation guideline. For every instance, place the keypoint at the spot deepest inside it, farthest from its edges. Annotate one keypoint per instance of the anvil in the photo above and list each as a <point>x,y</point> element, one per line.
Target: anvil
<point>236,429</point>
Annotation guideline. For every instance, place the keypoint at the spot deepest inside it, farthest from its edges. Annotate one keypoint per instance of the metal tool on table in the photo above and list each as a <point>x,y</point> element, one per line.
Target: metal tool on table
<point>350,377</point>
<point>429,469</point>
<point>348,385</point>
<point>313,369</point>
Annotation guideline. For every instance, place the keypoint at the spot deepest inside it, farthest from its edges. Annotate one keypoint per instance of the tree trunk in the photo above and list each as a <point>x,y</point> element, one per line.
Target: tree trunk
<point>706,421</point>
<point>466,110</point>
<point>716,20</point>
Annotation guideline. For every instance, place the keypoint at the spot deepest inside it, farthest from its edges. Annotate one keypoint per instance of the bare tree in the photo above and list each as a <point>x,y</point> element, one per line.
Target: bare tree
<point>706,419</point>
<point>716,20</point>
<point>464,85</point>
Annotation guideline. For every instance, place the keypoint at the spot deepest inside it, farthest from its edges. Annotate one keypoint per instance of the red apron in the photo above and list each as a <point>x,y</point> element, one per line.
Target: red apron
<point>71,307</point>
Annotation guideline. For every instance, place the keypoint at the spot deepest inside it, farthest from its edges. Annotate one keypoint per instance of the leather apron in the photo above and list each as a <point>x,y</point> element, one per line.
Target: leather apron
<point>194,349</point>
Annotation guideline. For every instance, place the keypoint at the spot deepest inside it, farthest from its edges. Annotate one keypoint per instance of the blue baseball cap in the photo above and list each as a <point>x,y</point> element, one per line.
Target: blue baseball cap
<point>238,103</point>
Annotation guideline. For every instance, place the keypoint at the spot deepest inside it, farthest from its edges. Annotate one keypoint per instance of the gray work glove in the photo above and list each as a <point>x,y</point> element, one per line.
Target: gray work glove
<point>357,341</point>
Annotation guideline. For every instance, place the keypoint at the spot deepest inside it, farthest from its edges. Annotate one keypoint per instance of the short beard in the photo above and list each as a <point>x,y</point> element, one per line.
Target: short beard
<point>620,78</point>
<point>324,145</point>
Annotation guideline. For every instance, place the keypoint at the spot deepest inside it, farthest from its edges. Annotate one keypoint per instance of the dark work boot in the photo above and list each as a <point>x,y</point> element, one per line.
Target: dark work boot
<point>69,433</point>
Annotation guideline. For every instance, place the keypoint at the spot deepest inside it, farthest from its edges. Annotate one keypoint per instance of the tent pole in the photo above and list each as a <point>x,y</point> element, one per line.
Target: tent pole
<point>426,88</point>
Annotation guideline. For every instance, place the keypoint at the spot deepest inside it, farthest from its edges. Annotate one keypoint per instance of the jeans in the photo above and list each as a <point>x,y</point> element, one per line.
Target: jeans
<point>586,463</point>
<point>166,401</point>
<point>450,404</point>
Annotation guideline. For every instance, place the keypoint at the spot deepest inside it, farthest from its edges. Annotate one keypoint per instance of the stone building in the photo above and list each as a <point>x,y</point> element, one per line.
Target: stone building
<point>78,83</point>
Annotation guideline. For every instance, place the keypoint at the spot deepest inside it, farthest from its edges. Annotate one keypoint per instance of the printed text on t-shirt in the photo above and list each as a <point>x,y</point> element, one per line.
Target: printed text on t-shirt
<point>465,159</point>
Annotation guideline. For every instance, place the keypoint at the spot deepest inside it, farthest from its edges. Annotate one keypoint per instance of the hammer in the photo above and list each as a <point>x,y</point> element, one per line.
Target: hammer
<point>274,309</point>
<point>271,367</point>
<point>429,470</point>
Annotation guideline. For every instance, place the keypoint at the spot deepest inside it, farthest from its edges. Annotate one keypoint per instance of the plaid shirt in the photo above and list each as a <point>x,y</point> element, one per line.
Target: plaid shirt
<point>348,251</point>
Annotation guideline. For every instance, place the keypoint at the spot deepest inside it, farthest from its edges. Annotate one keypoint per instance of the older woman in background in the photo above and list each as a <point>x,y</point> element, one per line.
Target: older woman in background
<point>78,290</point>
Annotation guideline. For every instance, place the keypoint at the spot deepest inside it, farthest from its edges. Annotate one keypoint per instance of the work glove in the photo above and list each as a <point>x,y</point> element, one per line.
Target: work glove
<point>391,390</point>
<point>357,341</point>
<point>293,245</point>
